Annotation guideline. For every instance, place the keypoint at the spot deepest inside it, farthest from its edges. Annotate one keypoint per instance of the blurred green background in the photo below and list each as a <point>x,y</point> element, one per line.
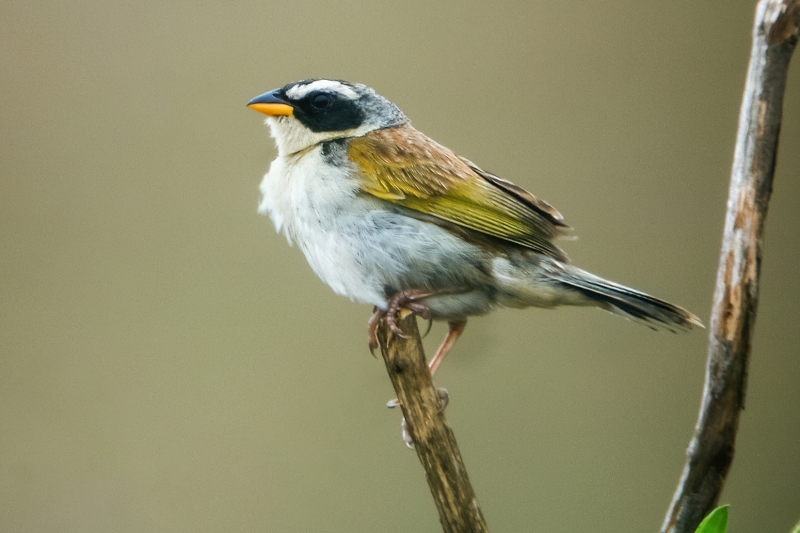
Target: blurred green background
<point>168,363</point>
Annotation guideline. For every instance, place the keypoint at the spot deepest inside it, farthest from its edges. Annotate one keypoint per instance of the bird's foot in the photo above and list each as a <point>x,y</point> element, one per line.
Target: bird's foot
<point>444,398</point>
<point>442,394</point>
<point>406,300</point>
<point>405,430</point>
<point>405,433</point>
<point>401,300</point>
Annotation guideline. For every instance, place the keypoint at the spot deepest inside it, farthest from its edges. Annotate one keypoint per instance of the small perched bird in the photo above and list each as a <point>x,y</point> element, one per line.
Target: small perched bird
<point>389,217</point>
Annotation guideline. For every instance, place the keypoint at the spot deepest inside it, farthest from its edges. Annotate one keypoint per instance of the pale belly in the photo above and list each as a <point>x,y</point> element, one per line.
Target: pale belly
<point>368,254</point>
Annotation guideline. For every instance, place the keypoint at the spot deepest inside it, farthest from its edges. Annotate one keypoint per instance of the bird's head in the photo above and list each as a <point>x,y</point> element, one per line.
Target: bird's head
<point>307,112</point>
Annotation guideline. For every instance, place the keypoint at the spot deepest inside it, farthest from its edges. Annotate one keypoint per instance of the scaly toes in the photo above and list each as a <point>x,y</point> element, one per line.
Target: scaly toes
<point>421,309</point>
<point>391,319</point>
<point>405,299</point>
<point>392,308</point>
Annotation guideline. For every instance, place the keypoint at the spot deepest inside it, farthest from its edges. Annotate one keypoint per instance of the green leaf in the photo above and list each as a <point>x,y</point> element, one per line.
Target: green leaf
<point>796,528</point>
<point>715,522</point>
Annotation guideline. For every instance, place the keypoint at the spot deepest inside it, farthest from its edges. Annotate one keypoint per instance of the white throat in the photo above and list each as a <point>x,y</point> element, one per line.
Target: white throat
<point>291,136</point>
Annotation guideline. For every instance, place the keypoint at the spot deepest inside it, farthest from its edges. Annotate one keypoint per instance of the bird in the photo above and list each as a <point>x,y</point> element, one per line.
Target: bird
<point>389,217</point>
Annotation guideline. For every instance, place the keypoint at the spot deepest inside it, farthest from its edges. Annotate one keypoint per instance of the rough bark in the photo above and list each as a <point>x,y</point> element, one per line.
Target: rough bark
<point>736,295</point>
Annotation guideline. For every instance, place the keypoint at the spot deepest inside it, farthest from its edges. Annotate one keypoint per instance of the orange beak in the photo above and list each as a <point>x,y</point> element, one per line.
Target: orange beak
<point>271,104</point>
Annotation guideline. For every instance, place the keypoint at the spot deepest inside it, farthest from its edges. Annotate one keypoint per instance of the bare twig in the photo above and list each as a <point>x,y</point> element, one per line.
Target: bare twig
<point>433,439</point>
<point>736,296</point>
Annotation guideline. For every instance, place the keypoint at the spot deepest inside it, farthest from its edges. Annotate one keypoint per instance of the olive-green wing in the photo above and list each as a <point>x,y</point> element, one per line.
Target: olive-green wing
<point>406,168</point>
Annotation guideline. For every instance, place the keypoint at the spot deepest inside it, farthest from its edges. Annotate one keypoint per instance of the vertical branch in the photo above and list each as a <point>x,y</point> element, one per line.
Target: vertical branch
<point>433,439</point>
<point>736,295</point>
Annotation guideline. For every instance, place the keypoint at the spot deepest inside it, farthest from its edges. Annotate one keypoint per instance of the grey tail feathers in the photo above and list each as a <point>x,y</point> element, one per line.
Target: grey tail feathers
<point>627,302</point>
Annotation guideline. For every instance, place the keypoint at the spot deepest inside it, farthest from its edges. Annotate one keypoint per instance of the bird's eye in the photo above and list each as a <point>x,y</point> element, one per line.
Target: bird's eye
<point>321,101</point>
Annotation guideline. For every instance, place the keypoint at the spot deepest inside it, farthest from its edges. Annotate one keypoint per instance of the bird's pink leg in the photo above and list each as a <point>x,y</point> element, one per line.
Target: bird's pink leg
<point>456,328</point>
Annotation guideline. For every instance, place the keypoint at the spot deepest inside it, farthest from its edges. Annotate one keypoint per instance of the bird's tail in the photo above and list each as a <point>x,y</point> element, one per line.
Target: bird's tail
<point>630,303</point>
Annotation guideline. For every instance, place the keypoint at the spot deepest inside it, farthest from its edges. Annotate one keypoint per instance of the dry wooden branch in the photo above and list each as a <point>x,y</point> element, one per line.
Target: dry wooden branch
<point>434,441</point>
<point>736,295</point>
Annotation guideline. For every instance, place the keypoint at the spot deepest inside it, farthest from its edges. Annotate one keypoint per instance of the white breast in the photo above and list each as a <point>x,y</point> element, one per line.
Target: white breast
<point>314,204</point>
<point>360,247</point>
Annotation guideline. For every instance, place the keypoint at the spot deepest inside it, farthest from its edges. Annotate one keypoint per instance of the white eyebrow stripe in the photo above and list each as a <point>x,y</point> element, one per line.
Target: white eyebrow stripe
<point>299,91</point>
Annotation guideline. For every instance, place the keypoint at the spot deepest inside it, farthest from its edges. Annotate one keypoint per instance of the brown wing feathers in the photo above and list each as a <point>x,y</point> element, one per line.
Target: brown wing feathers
<point>403,166</point>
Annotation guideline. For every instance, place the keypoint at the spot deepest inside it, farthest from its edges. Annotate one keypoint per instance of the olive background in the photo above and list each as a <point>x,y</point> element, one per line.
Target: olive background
<point>169,363</point>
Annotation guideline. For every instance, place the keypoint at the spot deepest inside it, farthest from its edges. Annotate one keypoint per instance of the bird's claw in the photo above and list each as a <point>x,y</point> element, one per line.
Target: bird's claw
<point>405,433</point>
<point>444,398</point>
<point>428,329</point>
<point>405,300</point>
<point>405,430</point>
<point>372,330</point>
<point>401,300</point>
<point>395,329</point>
